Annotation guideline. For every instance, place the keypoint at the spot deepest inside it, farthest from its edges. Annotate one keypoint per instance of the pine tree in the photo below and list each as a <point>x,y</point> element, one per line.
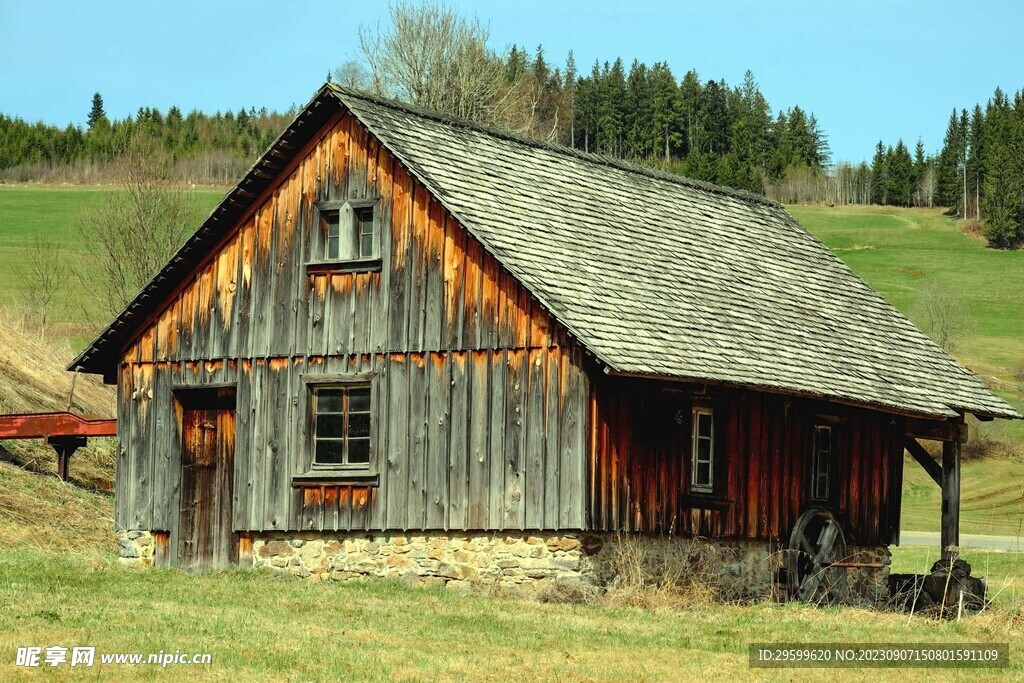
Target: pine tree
<point>899,176</point>
<point>97,112</point>
<point>879,176</point>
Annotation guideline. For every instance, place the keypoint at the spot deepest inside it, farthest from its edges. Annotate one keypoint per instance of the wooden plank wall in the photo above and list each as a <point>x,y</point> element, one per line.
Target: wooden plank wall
<point>638,455</point>
<point>480,395</point>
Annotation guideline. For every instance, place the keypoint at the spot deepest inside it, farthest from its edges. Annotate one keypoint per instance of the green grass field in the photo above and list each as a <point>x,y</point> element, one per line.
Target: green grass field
<point>57,213</point>
<point>270,627</point>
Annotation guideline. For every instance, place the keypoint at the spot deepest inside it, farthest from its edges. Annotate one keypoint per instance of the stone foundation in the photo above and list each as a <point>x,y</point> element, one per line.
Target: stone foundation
<point>532,562</point>
<point>136,548</point>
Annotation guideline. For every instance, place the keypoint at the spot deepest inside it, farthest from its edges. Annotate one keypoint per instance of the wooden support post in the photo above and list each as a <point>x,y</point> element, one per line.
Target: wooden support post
<point>950,499</point>
<point>65,446</point>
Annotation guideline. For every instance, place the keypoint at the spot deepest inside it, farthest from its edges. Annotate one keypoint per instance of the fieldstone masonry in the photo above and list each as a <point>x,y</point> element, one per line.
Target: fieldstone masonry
<point>136,548</point>
<point>531,562</point>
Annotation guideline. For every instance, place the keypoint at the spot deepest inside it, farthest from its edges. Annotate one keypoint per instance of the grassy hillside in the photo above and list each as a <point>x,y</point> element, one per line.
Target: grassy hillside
<point>900,251</point>
<point>56,213</point>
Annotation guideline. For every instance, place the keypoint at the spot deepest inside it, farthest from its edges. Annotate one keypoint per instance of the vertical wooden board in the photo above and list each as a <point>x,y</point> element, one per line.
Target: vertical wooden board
<point>506,311</point>
<point>357,147</point>
<point>259,400</point>
<point>754,465</point>
<point>764,483</point>
<point>317,335</point>
<point>276,511</point>
<point>490,305</point>
<point>186,324</point>
<point>472,290</point>
<point>285,268</point>
<point>496,459</point>
<point>296,455</point>
<point>454,284</point>
<point>515,461</point>
<point>313,506</point>
<point>263,279</point>
<point>420,255</point>
<point>479,437</point>
<point>458,443</point>
<point>572,487</point>
<point>345,508</point>
<point>396,491</point>
<point>331,508</point>
<point>201,332</point>
<point>142,432</point>
<point>160,446</point>
<point>302,284</point>
<point>360,508</point>
<point>362,315</point>
<point>379,443</point>
<point>535,437</point>
<point>551,436</point>
<point>122,466</point>
<point>399,282</point>
<point>380,296</point>
<point>341,313</point>
<point>418,388</point>
<point>851,493</point>
<point>522,321</point>
<point>243,448</point>
<point>438,432</point>
<point>243,304</point>
<point>776,424</point>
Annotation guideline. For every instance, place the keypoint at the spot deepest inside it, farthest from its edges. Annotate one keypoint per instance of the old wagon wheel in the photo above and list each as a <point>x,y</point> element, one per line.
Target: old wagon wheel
<point>814,546</point>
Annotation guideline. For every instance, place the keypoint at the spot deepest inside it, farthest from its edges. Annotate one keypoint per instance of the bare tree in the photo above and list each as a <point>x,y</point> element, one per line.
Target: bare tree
<point>432,57</point>
<point>942,314</point>
<point>352,74</point>
<point>44,273</point>
<point>139,225</point>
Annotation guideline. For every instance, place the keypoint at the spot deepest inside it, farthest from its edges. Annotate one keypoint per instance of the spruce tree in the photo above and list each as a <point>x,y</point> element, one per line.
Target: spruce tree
<point>878,175</point>
<point>97,112</point>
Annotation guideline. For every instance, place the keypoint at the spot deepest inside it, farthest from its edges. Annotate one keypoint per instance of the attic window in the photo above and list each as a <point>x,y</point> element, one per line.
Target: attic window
<point>350,233</point>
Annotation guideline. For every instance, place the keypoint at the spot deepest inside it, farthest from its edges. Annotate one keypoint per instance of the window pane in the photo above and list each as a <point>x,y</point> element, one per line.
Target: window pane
<point>330,426</point>
<point>329,451</point>
<point>359,424</point>
<point>366,246</point>
<point>358,451</point>
<point>704,424</point>
<point>703,474</point>
<point>704,450</point>
<point>364,221</point>
<point>333,232</point>
<point>359,400</point>
<point>329,400</point>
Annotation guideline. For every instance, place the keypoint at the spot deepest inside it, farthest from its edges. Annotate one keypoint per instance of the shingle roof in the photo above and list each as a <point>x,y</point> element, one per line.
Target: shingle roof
<point>662,276</point>
<point>654,274</point>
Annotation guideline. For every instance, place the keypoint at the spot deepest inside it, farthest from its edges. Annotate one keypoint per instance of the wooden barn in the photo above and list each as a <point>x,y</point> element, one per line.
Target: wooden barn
<point>410,346</point>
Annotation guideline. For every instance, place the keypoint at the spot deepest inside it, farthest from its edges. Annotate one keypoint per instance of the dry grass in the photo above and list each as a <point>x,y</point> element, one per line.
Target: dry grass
<point>32,375</point>
<point>973,227</point>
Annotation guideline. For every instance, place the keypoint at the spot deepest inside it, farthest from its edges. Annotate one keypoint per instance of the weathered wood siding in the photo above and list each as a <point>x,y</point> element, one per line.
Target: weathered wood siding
<point>639,463</point>
<point>480,397</point>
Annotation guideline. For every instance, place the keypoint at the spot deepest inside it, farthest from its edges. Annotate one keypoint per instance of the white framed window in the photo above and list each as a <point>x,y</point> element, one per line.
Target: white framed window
<point>702,451</point>
<point>821,467</point>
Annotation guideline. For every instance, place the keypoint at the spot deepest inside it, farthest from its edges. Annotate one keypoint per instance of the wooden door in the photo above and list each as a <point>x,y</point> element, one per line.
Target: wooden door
<point>206,539</point>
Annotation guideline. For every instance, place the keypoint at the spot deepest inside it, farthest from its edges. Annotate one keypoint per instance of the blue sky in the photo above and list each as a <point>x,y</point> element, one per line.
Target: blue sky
<point>867,69</point>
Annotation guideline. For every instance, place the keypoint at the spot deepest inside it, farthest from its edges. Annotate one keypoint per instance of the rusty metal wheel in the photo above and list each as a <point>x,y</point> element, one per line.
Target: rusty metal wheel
<point>816,545</point>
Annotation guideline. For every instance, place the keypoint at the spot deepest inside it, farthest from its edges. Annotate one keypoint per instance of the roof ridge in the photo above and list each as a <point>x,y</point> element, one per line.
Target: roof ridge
<point>591,157</point>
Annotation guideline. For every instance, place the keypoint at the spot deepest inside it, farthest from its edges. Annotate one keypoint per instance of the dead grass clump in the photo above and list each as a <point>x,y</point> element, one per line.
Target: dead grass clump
<point>973,227</point>
<point>569,591</point>
<point>671,573</point>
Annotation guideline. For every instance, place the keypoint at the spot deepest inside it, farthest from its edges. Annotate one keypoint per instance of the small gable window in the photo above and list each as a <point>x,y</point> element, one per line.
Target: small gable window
<point>350,233</point>
<point>823,464</point>
<point>702,465</point>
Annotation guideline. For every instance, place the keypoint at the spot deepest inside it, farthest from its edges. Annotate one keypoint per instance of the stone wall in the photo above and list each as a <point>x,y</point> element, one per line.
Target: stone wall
<point>136,548</point>
<point>735,570</point>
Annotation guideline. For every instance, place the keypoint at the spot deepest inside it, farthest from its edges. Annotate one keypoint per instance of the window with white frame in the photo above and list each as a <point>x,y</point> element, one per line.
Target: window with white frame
<point>702,451</point>
<point>821,470</point>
